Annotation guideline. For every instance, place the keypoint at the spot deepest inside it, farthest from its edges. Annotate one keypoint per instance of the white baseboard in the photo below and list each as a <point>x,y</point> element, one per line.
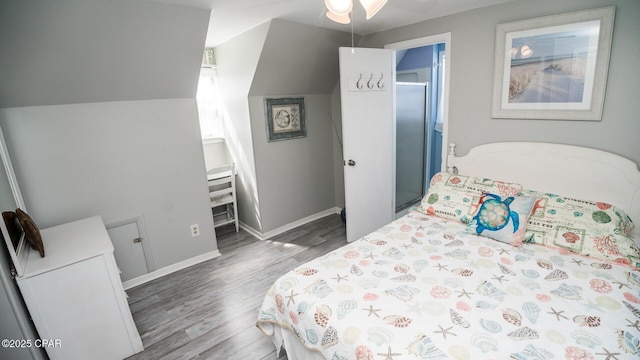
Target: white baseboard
<point>253,232</point>
<point>213,254</point>
<point>292,225</point>
<point>169,269</point>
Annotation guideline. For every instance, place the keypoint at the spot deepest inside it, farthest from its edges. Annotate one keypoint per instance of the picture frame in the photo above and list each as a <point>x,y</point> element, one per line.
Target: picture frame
<point>553,68</point>
<point>285,118</point>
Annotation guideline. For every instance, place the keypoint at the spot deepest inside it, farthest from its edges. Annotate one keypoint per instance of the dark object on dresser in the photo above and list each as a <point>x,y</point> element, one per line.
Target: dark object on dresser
<point>31,231</point>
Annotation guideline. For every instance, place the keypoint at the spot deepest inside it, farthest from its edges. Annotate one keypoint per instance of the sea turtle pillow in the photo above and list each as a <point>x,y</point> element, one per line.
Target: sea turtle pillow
<point>501,218</point>
<point>452,196</point>
<point>590,228</point>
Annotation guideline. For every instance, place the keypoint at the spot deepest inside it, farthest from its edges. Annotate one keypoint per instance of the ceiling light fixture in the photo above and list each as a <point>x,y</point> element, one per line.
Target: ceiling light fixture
<point>339,10</point>
<point>372,7</point>
<point>526,51</point>
<point>339,7</point>
<point>341,19</point>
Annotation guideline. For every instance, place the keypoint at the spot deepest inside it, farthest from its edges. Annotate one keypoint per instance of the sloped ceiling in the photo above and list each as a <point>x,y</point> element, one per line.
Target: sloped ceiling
<point>79,51</point>
<point>230,18</point>
<point>298,59</point>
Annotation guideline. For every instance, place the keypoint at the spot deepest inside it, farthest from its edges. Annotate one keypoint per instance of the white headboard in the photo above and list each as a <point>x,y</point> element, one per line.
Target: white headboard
<point>566,170</point>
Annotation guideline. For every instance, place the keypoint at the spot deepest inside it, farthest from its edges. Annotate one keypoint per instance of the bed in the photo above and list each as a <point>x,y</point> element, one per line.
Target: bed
<point>519,250</point>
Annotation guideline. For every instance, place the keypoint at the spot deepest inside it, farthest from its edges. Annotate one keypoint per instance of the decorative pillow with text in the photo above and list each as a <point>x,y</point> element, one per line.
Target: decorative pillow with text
<point>590,228</point>
<point>456,197</point>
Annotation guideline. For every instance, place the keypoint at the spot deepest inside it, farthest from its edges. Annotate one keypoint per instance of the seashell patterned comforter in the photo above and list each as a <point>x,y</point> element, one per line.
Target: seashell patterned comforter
<point>421,288</point>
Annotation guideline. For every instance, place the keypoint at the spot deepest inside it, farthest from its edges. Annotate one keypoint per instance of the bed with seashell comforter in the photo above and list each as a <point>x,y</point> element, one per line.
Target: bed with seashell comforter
<point>481,269</point>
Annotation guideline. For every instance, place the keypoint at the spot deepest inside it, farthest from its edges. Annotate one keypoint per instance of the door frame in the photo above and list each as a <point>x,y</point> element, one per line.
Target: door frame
<point>426,41</point>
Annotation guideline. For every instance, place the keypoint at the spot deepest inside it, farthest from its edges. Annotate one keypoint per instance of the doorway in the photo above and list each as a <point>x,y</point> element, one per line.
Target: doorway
<point>421,115</point>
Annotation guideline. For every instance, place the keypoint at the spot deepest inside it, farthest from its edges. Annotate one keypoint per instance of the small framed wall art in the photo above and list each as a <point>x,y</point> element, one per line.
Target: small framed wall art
<point>285,118</point>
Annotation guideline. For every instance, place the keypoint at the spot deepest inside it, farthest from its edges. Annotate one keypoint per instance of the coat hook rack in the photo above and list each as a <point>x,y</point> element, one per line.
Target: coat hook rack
<point>374,83</point>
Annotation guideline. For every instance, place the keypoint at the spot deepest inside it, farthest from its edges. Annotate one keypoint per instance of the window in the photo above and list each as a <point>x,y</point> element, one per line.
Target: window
<point>209,106</point>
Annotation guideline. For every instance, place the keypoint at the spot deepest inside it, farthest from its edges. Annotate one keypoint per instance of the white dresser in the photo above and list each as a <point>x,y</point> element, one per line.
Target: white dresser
<point>75,295</point>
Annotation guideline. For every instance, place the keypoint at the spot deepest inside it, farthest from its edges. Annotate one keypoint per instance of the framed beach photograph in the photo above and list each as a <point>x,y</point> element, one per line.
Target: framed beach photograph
<point>553,67</point>
<point>285,118</point>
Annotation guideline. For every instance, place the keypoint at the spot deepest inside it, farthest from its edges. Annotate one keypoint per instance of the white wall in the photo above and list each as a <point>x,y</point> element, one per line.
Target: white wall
<point>472,57</point>
<point>298,59</point>
<point>215,154</point>
<point>295,176</point>
<point>97,101</point>
<point>280,182</point>
<point>290,180</point>
<point>77,51</point>
<point>236,62</point>
<point>119,160</point>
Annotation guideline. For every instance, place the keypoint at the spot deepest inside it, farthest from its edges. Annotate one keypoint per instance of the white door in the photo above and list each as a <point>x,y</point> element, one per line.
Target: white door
<point>368,130</point>
<point>128,250</point>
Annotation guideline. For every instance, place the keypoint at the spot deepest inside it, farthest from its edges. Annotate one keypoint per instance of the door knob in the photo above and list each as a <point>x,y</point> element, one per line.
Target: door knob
<point>351,163</point>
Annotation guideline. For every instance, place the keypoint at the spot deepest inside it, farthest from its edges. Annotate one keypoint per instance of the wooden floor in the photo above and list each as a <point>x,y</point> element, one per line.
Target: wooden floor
<point>209,310</point>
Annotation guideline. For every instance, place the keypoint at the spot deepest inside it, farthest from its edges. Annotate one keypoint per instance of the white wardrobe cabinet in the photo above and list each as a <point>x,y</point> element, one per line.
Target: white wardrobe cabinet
<point>75,296</point>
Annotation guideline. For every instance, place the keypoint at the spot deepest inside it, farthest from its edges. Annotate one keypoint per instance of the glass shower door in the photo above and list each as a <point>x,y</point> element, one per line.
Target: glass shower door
<point>411,130</point>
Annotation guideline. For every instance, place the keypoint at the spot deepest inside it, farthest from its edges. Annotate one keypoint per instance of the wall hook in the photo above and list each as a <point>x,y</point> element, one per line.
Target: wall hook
<point>380,82</point>
<point>370,83</point>
<point>359,83</point>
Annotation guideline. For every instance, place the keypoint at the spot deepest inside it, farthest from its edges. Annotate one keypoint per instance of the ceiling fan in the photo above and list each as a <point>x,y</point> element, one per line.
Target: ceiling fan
<point>339,10</point>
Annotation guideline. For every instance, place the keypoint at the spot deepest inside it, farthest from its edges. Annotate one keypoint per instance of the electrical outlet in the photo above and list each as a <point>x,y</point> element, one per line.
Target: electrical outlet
<point>195,230</point>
